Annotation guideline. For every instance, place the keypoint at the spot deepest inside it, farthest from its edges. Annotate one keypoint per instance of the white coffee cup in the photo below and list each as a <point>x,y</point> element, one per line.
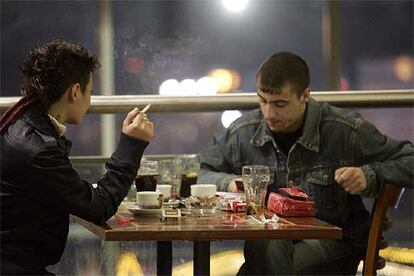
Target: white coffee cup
<point>203,190</point>
<point>149,200</point>
<point>165,190</point>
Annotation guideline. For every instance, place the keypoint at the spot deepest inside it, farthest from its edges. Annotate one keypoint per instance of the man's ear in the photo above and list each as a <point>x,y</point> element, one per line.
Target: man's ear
<point>73,92</point>
<point>306,95</point>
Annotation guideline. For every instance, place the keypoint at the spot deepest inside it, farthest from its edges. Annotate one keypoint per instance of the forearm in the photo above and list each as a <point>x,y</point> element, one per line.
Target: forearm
<point>221,179</point>
<point>217,163</point>
<point>121,170</point>
<point>383,159</point>
<point>397,172</point>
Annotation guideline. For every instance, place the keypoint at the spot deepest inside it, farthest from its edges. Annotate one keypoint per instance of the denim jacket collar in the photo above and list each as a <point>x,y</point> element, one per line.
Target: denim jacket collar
<point>310,136</point>
<point>262,135</point>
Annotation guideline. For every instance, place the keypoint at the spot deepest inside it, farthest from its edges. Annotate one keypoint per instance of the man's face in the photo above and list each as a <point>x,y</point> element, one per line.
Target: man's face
<point>81,103</point>
<point>283,112</point>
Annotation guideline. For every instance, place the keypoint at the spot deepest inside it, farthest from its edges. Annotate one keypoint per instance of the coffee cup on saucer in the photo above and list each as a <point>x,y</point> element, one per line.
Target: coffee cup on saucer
<point>149,200</point>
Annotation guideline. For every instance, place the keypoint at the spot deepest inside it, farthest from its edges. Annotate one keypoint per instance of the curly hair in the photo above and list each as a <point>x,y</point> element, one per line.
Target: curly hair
<point>281,69</point>
<point>51,68</point>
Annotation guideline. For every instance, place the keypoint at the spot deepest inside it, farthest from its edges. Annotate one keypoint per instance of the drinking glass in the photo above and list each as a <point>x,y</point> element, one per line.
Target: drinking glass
<point>186,168</point>
<point>166,171</point>
<point>255,181</point>
<point>147,177</point>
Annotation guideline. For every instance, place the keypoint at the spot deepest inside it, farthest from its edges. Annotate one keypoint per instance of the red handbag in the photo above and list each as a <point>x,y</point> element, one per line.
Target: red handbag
<point>291,202</point>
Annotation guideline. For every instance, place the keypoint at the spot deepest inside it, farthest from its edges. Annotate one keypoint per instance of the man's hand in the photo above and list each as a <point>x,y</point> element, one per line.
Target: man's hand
<point>137,125</point>
<point>232,187</point>
<point>352,179</point>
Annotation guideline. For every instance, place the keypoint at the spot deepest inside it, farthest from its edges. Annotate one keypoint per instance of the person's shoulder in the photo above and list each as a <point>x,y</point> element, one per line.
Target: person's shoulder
<point>343,116</point>
<point>25,138</point>
<point>250,119</point>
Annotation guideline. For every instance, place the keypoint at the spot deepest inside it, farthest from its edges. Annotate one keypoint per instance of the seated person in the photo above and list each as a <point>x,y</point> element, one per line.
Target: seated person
<point>39,188</point>
<point>333,154</point>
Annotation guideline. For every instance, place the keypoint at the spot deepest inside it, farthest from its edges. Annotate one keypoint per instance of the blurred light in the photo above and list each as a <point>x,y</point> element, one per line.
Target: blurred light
<point>204,86</point>
<point>403,68</point>
<point>236,80</point>
<point>188,87</point>
<point>170,87</point>
<point>229,116</point>
<point>344,84</point>
<point>227,80</point>
<point>134,64</point>
<point>128,265</point>
<point>235,5</point>
<point>207,86</point>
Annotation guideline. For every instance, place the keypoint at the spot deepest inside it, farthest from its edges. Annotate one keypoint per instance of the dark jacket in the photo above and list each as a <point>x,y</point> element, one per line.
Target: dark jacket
<point>39,189</point>
<point>332,138</point>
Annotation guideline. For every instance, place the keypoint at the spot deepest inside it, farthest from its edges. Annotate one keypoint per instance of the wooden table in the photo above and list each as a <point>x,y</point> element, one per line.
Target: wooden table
<point>124,226</point>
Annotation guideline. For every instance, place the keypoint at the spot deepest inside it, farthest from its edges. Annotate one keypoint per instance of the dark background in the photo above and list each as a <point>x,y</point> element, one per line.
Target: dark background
<point>159,40</point>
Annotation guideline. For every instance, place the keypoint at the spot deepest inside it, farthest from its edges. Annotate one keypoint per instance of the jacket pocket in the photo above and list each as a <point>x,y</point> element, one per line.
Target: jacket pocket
<point>321,186</point>
<point>329,197</point>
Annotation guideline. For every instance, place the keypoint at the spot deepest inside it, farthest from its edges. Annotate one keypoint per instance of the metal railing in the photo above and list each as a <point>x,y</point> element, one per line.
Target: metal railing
<point>240,101</point>
<point>100,159</point>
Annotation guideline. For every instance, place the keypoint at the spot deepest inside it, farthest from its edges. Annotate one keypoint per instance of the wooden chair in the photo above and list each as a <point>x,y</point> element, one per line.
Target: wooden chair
<point>379,223</point>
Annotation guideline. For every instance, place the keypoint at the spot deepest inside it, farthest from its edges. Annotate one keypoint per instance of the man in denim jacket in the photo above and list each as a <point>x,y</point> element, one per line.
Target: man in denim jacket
<point>333,154</point>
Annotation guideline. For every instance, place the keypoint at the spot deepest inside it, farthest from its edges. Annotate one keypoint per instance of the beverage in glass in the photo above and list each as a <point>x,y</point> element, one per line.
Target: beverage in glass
<point>255,180</point>
<point>166,171</point>
<point>187,167</point>
<point>147,177</point>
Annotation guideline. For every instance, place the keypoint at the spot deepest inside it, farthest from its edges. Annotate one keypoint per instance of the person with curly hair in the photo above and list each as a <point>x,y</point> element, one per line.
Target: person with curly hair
<point>38,186</point>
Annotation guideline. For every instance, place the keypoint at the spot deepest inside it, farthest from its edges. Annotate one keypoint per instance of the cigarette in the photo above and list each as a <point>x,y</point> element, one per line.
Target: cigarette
<point>146,108</point>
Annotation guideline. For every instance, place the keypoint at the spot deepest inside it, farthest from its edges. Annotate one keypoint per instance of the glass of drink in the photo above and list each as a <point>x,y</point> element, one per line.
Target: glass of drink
<point>186,167</point>
<point>166,171</point>
<point>255,180</point>
<point>147,177</point>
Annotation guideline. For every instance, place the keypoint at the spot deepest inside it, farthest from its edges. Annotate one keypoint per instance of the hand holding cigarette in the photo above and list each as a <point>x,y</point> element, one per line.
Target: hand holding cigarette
<point>145,109</point>
<point>137,124</point>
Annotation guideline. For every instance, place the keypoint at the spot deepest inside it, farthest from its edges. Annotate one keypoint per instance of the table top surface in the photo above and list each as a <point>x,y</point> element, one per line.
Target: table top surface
<point>223,225</point>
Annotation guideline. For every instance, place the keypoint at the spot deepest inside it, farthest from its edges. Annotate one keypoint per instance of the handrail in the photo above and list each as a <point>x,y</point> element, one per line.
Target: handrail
<point>100,159</point>
<point>241,101</point>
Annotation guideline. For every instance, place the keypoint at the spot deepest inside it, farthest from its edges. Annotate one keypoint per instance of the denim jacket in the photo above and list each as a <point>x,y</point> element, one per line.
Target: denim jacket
<point>332,138</point>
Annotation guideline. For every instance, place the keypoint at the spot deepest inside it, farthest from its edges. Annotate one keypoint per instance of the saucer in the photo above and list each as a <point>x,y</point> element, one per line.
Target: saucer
<point>144,212</point>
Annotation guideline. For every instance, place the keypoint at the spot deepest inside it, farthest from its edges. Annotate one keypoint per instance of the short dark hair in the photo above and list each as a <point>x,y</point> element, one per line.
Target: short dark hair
<point>51,68</point>
<point>281,69</point>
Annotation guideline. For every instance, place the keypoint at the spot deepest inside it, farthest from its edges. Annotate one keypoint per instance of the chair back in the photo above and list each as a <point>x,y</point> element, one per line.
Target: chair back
<point>379,223</point>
